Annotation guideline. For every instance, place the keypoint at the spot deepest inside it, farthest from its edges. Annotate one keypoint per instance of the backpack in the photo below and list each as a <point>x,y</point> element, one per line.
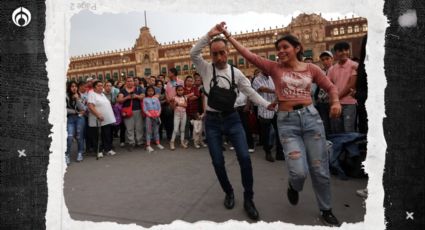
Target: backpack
<point>219,98</point>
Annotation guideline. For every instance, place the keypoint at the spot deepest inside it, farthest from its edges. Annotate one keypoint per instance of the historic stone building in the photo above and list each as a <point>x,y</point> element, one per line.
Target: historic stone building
<point>148,57</point>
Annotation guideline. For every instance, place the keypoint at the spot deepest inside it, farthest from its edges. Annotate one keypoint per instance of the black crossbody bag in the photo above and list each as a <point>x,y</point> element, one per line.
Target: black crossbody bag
<point>219,98</point>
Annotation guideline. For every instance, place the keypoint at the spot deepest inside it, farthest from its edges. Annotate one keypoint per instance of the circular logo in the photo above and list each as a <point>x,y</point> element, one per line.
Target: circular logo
<point>21,17</point>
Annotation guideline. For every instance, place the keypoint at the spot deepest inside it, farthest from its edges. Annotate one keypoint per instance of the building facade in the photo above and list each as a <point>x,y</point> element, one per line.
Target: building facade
<point>148,57</point>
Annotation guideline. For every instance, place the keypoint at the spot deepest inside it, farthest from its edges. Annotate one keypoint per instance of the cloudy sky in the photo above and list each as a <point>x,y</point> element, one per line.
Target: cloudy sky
<point>101,32</point>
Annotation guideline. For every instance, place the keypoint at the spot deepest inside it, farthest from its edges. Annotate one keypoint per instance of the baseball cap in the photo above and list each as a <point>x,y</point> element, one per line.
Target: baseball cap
<point>326,53</point>
<point>89,79</point>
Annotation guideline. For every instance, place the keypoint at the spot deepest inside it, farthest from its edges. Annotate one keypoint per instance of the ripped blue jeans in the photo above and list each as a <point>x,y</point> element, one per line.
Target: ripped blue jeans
<point>303,140</point>
<point>75,127</point>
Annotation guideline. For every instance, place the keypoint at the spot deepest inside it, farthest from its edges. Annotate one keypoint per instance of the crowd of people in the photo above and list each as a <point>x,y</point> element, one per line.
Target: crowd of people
<point>138,112</point>
<point>292,105</point>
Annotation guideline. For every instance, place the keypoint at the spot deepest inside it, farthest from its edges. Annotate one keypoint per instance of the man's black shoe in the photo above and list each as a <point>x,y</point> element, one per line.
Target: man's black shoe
<point>328,218</point>
<point>292,195</point>
<point>250,209</point>
<point>269,157</point>
<point>229,201</point>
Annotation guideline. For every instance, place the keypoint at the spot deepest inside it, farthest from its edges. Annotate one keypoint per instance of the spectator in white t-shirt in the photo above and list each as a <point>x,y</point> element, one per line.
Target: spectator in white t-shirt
<point>101,116</point>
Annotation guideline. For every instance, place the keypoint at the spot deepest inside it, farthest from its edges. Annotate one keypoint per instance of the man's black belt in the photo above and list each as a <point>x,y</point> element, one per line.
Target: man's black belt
<point>300,106</point>
<point>297,107</point>
<point>222,114</point>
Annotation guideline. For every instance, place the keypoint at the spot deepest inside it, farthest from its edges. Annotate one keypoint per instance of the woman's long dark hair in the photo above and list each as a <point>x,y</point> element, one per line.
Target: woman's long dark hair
<point>294,42</point>
<point>187,77</point>
<point>68,89</point>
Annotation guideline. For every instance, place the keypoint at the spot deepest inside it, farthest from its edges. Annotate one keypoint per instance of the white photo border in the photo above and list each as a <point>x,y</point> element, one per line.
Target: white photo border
<point>57,35</point>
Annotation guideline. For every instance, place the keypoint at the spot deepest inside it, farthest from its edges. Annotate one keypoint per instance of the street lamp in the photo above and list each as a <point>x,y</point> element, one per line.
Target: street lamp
<point>122,74</point>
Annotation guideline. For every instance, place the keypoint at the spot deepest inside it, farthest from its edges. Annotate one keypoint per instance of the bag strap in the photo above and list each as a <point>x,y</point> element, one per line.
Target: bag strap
<point>233,78</point>
<point>131,100</point>
<point>214,79</point>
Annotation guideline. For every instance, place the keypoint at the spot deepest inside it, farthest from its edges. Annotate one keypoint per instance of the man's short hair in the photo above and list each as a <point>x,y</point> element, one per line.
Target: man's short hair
<point>174,71</point>
<point>340,46</point>
<point>95,82</point>
<point>218,39</point>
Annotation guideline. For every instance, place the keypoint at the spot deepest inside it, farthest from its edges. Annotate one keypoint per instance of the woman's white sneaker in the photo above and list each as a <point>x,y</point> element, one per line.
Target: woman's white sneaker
<point>67,160</point>
<point>149,149</point>
<point>111,152</point>
<point>80,157</point>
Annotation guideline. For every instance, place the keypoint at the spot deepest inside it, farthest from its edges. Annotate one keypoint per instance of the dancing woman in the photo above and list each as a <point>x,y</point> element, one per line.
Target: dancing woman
<point>299,124</point>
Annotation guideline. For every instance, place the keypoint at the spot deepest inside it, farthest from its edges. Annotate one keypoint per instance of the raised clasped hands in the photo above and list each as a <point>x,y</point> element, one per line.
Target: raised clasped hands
<point>218,29</point>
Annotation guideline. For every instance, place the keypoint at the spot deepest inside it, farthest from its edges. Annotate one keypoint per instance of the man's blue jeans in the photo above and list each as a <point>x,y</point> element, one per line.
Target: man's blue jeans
<point>344,141</point>
<point>216,125</point>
